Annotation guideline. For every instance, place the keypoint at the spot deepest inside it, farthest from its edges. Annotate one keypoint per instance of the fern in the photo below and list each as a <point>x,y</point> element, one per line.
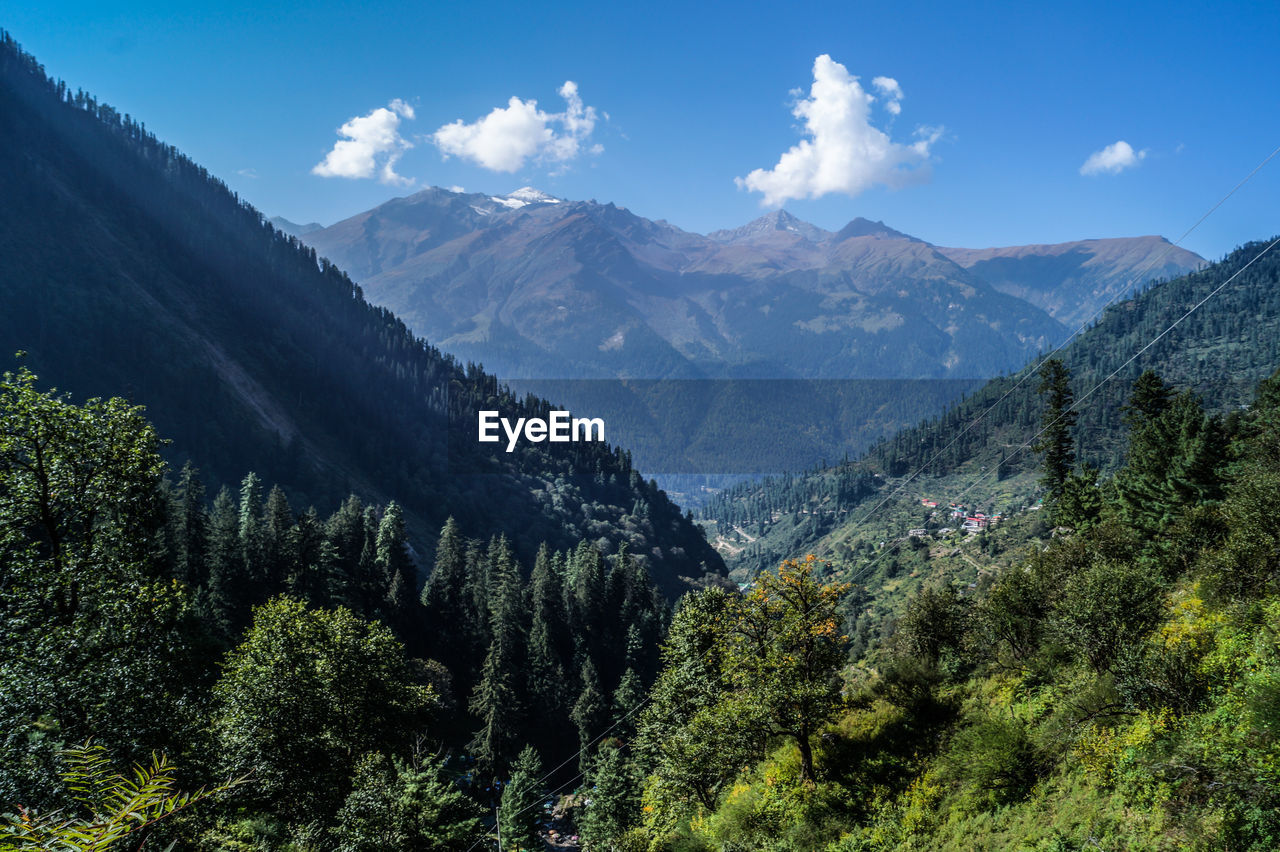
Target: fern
<point>120,805</point>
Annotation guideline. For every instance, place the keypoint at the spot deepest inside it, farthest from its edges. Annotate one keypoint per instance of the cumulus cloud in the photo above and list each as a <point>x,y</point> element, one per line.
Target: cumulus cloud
<point>1113,159</point>
<point>843,151</point>
<point>371,145</point>
<point>508,137</point>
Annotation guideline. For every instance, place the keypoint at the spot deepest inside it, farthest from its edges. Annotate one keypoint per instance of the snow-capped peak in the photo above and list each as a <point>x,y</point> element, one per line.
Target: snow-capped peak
<point>525,195</point>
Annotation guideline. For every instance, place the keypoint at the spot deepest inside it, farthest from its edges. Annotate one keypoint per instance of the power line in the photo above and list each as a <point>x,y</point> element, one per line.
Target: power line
<point>985,471</point>
<point>1028,371</point>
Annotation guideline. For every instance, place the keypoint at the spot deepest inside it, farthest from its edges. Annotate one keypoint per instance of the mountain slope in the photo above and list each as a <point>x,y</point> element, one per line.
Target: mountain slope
<point>1221,351</point>
<point>546,288</point>
<point>128,270</point>
<point>562,289</point>
<point>1072,281</point>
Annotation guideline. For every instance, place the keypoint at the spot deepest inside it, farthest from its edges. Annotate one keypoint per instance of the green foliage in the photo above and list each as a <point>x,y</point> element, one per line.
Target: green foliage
<point>995,759</point>
<point>112,806</point>
<point>786,650</point>
<point>1106,609</point>
<point>410,807</point>
<point>523,797</point>
<point>307,694</point>
<point>690,746</point>
<point>497,700</point>
<point>935,621</point>
<point>1056,442</point>
<point>1174,460</point>
<point>96,639</point>
<point>613,791</point>
<point>740,671</point>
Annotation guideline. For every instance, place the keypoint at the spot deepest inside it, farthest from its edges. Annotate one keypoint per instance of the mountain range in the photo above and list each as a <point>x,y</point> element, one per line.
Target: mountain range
<point>538,287</point>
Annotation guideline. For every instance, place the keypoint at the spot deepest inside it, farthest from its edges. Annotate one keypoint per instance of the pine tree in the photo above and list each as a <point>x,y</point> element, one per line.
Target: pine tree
<point>627,699</point>
<point>345,531</point>
<point>614,798</point>
<point>450,616</point>
<point>550,645</point>
<point>586,597</point>
<point>277,556</point>
<point>589,713</point>
<point>393,561</point>
<point>478,589</point>
<point>394,806</point>
<point>251,533</point>
<point>520,814</point>
<point>1148,400</point>
<point>367,587</point>
<point>192,531</point>
<point>312,559</point>
<point>1056,442</point>
<point>229,584</point>
<point>498,699</point>
<point>1174,461</point>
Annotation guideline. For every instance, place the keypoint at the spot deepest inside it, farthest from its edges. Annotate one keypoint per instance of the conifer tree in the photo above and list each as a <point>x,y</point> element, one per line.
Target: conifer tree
<point>589,713</point>
<point>277,558</point>
<point>1056,442</point>
<point>450,617</point>
<point>1174,460</point>
<point>626,699</point>
<point>550,645</point>
<point>192,531</point>
<point>586,596</point>
<point>479,590</point>
<point>367,583</point>
<point>311,559</point>
<point>229,584</point>
<point>251,533</point>
<point>396,566</point>
<point>520,813</point>
<point>615,798</point>
<point>497,701</point>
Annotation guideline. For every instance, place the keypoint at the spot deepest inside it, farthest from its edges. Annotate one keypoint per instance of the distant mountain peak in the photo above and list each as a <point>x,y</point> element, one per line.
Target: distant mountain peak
<point>861,227</point>
<point>778,220</point>
<point>523,197</point>
<point>293,229</point>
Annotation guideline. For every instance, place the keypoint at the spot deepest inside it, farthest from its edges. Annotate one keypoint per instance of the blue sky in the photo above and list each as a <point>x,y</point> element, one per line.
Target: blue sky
<point>678,104</point>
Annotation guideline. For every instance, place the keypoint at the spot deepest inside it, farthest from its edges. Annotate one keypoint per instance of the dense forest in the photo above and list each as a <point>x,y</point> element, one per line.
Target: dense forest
<point>238,635</point>
<point>128,270</point>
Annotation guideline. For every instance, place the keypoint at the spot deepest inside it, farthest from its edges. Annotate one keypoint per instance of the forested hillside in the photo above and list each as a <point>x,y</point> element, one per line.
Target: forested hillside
<point>129,270</point>
<point>1111,686</point>
<point>249,640</point>
<point>1219,352</point>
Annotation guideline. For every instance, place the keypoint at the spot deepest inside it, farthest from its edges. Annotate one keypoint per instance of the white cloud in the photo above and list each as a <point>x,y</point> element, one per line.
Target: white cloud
<point>508,137</point>
<point>1113,159</point>
<point>889,87</point>
<point>843,151</point>
<point>372,145</point>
